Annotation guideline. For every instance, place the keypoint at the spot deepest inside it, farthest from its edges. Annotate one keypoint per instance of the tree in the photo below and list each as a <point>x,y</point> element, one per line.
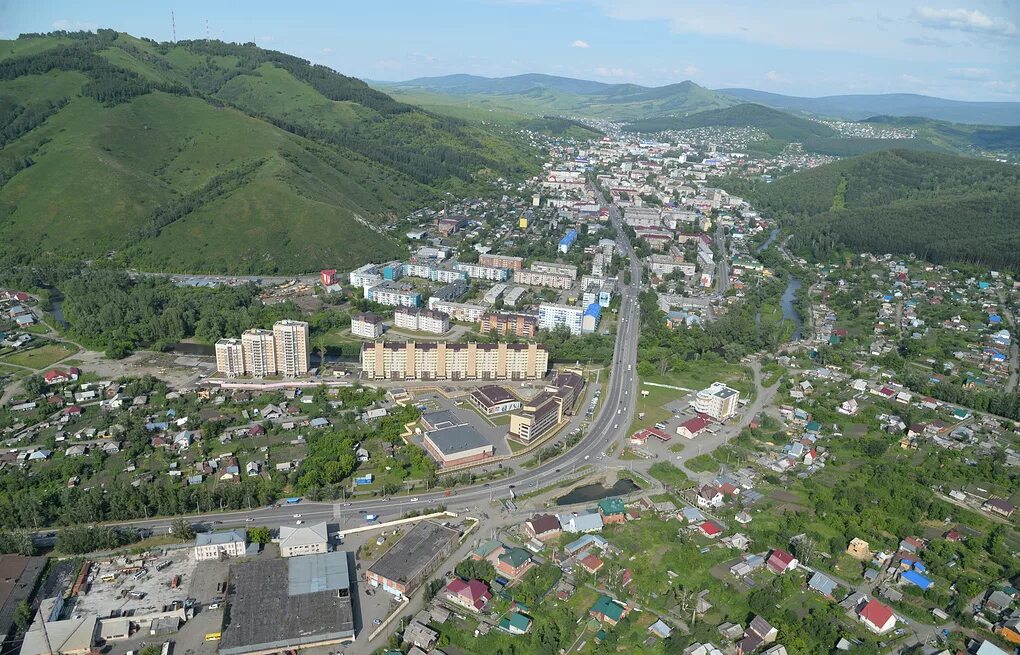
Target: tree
<point>475,570</point>
<point>23,615</point>
<point>259,535</point>
<point>34,385</point>
<point>182,529</point>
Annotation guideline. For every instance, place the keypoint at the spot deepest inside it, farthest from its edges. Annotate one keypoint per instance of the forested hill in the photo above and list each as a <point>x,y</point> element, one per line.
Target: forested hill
<point>941,207</point>
<point>777,124</point>
<point>210,156</point>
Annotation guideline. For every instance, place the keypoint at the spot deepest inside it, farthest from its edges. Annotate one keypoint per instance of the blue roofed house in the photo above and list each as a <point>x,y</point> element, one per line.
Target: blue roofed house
<point>823,584</point>
<point>916,579</point>
<point>575,523</point>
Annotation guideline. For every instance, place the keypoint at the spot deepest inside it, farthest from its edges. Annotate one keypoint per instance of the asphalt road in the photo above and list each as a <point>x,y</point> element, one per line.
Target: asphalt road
<point>610,424</point>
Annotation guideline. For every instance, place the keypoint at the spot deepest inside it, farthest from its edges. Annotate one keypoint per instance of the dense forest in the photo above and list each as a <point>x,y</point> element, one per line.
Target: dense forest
<point>943,208</point>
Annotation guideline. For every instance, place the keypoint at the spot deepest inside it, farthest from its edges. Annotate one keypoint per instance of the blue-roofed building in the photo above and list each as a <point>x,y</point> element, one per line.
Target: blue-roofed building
<point>590,318</point>
<point>916,579</point>
<point>586,542</point>
<point>823,584</point>
<point>568,240</point>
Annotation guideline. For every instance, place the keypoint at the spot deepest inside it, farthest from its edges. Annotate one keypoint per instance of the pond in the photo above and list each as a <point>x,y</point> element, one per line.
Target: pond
<point>592,492</point>
<point>790,312</point>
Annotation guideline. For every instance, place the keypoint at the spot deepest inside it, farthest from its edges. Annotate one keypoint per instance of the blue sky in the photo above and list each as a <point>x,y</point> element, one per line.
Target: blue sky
<point>963,49</point>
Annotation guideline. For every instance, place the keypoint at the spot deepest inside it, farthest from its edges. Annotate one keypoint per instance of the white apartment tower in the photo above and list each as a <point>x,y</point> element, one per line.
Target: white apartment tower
<point>259,353</point>
<point>230,357</point>
<point>291,347</point>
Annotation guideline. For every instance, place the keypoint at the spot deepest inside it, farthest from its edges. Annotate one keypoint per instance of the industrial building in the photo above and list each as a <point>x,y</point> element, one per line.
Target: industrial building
<point>404,567</point>
<point>294,603</point>
<point>18,576</point>
<point>453,361</point>
<point>717,401</point>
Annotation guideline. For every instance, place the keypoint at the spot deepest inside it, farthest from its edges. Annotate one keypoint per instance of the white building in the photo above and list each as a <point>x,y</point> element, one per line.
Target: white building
<point>513,296</point>
<point>214,545</point>
<point>394,294</point>
<point>481,272</point>
<point>553,315</point>
<point>717,401</point>
<point>458,310</point>
<point>367,325</point>
<point>291,339</point>
<point>366,276</point>
<point>230,357</point>
<point>421,320</point>
<point>303,540</point>
<point>493,294</point>
<point>259,353</point>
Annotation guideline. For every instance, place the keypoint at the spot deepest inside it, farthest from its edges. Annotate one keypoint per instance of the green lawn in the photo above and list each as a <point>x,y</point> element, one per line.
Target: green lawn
<point>41,357</point>
<point>668,474</point>
<point>703,464</point>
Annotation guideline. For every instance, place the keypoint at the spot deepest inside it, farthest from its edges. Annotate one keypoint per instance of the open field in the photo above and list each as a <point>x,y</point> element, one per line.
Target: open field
<point>41,357</point>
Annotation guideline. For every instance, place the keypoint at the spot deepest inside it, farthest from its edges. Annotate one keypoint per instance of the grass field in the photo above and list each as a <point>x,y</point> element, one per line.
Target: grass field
<point>703,464</point>
<point>668,474</point>
<point>41,357</point>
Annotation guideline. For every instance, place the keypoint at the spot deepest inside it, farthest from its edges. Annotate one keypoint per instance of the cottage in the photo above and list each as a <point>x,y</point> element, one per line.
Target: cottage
<point>542,527</point>
<point>780,561</point>
<point>877,616</point>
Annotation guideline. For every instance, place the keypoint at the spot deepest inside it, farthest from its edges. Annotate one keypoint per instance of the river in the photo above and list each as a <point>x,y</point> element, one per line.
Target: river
<point>768,242</point>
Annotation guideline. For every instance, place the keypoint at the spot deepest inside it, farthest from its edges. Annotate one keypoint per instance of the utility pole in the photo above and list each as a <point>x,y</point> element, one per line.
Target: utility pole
<point>173,27</point>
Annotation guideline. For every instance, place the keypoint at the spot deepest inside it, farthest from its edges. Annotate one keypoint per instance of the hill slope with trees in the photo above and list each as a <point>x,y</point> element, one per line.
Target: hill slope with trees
<point>944,208</point>
<point>777,124</point>
<point>217,157</point>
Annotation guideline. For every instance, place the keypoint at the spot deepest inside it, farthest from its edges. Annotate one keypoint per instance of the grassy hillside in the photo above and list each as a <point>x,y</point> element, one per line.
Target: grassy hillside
<point>995,140</point>
<point>942,207</point>
<point>206,156</point>
<point>545,94</point>
<point>777,124</point>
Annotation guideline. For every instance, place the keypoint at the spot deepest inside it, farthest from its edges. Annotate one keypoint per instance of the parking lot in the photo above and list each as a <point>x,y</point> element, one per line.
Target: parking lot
<point>133,585</point>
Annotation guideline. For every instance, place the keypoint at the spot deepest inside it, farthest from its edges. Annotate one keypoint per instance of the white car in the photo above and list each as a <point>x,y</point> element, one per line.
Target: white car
<point>298,522</point>
<point>414,500</point>
<point>297,516</point>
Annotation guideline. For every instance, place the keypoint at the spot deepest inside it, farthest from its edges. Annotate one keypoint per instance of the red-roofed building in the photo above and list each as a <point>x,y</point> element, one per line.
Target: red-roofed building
<point>328,276</point>
<point>692,427</point>
<point>591,563</point>
<point>642,435</point>
<point>710,529</point>
<point>57,376</point>
<point>780,561</point>
<point>877,617</point>
<point>469,594</point>
<point>73,410</point>
<point>953,535</point>
<point>626,577</point>
<point>256,431</point>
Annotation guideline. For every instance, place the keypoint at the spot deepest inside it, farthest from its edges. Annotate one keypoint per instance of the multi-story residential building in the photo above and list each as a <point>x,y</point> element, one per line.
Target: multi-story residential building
<point>429,271</point>
<point>567,241</point>
<point>568,270</point>
<point>366,276</point>
<point>513,296</point>
<point>230,357</point>
<point>259,349</point>
<point>291,340</point>
<point>453,361</point>
<point>393,270</point>
<point>599,265</point>
<point>459,311</point>
<point>518,325</point>
<point>493,294</point>
<point>717,401</point>
<point>481,272</point>
<point>501,261</point>
<point>662,265</point>
<point>642,217</point>
<point>421,320</point>
<point>367,325</point>
<point>541,279</point>
<point>553,315</point>
<point>394,294</point>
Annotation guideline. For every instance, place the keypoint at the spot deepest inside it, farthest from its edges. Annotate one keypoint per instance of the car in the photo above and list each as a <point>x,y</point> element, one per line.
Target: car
<point>557,471</point>
<point>376,621</point>
<point>361,511</point>
<point>297,516</point>
<point>414,500</point>
<point>513,486</point>
<point>298,522</point>
<point>249,519</point>
<point>586,457</point>
<point>217,522</point>
<point>347,504</point>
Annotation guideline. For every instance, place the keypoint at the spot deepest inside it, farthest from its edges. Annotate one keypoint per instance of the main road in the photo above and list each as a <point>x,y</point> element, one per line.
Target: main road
<point>611,423</point>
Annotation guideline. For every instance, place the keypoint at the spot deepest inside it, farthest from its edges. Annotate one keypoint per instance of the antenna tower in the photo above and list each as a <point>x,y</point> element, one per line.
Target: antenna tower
<point>173,27</point>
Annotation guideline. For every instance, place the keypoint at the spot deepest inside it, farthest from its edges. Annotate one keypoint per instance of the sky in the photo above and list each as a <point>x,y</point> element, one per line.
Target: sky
<point>961,49</point>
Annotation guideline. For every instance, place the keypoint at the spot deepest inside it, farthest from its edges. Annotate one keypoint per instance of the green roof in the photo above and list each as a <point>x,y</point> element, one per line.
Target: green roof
<point>515,557</point>
<point>813,426</point>
<point>486,549</point>
<point>607,607</point>
<point>517,620</point>
<point>611,506</point>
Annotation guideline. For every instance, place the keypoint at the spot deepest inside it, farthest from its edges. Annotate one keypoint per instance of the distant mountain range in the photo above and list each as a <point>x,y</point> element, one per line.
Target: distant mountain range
<point>536,92</point>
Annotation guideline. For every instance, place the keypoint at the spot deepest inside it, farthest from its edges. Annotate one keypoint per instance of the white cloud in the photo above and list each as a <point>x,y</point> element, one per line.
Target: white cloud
<point>964,20</point>
<point>773,76</point>
<point>327,51</point>
<point>579,44</point>
<point>970,73</point>
<point>606,71</point>
<point>691,70</point>
<point>73,25</point>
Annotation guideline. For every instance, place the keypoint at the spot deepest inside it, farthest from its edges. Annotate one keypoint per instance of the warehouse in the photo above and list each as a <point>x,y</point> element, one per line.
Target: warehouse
<point>458,444</point>
<point>307,599</point>
<point>405,566</point>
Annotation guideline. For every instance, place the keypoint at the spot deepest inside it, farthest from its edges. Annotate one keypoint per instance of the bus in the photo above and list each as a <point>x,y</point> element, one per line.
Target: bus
<point>212,636</point>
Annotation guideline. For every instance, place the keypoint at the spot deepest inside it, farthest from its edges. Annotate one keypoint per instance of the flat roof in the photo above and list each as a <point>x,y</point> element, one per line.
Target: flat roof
<point>441,418</point>
<point>414,552</point>
<point>457,438</point>
<point>263,615</point>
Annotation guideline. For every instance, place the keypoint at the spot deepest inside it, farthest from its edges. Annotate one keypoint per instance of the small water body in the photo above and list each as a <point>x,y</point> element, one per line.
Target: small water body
<point>768,242</point>
<point>57,310</point>
<point>592,492</point>
<point>790,312</point>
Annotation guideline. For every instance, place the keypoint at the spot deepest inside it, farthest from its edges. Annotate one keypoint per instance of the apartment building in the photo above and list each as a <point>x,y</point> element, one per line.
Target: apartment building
<point>394,294</point>
<point>367,325</point>
<point>429,271</point>
<point>501,261</point>
<point>599,265</point>
<point>540,279</point>
<point>453,361</point>
<point>458,311</point>
<point>365,277</point>
<point>553,315</point>
<point>518,325</point>
<point>662,265</point>
<point>513,296</point>
<point>421,320</point>
<point>291,341</point>
<point>568,270</point>
<point>493,294</point>
<point>230,357</point>
<point>259,350</point>
<point>642,217</point>
<point>717,401</point>
<point>481,272</point>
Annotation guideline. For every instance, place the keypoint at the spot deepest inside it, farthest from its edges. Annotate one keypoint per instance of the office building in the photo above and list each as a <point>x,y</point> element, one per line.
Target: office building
<point>501,261</point>
<point>453,361</point>
<point>291,339</point>
<point>492,399</point>
<point>547,410</point>
<point>303,540</point>
<point>717,401</point>
<point>230,358</point>
<point>421,320</point>
<point>591,317</point>
<point>394,294</point>
<point>518,325</point>
<point>259,353</point>
<point>216,545</point>
<point>367,325</point>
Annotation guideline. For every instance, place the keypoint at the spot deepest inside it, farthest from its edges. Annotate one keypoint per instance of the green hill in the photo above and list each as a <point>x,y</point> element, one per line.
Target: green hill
<point>539,95</point>
<point>942,207</point>
<point>208,156</point>
<point>993,140</point>
<point>777,124</point>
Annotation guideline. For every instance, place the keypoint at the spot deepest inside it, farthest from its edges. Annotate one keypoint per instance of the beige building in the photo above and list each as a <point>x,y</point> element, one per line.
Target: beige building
<point>291,347</point>
<point>303,540</point>
<point>717,401</point>
<point>230,357</point>
<point>214,545</point>
<point>453,361</point>
<point>259,353</point>
<point>542,279</point>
